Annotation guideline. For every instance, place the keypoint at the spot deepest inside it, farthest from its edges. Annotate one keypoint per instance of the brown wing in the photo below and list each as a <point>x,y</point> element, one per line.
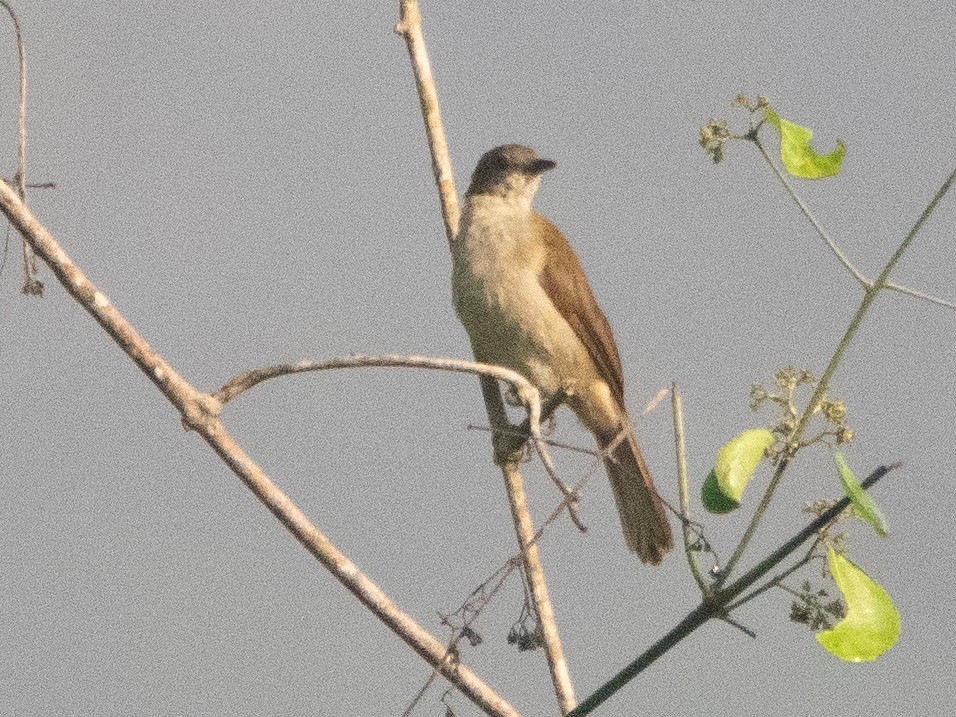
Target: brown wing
<point>564,281</point>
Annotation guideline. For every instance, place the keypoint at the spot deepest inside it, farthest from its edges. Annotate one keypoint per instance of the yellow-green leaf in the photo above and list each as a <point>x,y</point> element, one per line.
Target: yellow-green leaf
<point>738,459</point>
<point>800,159</point>
<point>861,500</point>
<point>872,623</point>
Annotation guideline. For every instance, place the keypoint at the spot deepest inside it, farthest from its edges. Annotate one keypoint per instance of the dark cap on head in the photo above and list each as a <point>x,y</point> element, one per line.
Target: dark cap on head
<point>496,164</point>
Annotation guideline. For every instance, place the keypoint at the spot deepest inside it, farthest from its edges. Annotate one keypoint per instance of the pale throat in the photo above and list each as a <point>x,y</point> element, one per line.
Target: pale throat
<point>516,190</point>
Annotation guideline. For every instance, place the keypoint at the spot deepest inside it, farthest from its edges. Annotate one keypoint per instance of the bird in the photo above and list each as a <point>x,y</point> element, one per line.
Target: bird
<point>526,304</point>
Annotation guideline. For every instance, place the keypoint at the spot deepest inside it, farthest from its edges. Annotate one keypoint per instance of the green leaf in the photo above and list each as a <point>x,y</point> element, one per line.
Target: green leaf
<point>738,459</point>
<point>872,623</point>
<point>862,500</point>
<point>800,159</point>
<point>736,463</point>
<point>713,499</point>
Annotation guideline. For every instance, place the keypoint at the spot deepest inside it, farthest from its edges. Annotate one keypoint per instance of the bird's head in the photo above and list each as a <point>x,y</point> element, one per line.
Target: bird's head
<point>511,171</point>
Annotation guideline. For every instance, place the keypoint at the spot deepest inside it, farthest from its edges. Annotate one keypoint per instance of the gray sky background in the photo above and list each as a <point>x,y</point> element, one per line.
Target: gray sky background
<point>250,185</point>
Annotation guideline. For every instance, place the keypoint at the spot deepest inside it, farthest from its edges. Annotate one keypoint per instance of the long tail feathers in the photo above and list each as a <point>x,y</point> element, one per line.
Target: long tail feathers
<point>645,525</point>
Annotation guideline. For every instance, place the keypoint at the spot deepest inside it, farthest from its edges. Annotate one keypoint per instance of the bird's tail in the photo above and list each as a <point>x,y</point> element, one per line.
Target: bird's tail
<point>646,530</point>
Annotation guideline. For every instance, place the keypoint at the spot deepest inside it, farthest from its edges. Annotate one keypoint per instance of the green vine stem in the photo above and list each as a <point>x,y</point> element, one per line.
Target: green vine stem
<point>870,292</point>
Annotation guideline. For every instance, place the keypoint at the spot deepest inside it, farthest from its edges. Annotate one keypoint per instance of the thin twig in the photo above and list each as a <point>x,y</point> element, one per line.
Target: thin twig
<point>32,286</point>
<point>594,453</point>
<point>733,623</point>
<point>531,428</point>
<point>246,380</point>
<point>863,281</point>
<point>680,447</point>
<point>570,495</point>
<point>774,581</point>
<point>893,286</point>
<point>471,615</point>
<point>238,385</point>
<point>884,277</point>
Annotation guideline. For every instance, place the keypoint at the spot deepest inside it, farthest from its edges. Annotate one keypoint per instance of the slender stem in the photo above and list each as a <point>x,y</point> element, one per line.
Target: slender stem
<point>32,286</point>
<point>844,259</point>
<point>893,286</point>
<point>680,447</point>
<point>884,277</point>
<point>21,176</point>
<point>773,582</point>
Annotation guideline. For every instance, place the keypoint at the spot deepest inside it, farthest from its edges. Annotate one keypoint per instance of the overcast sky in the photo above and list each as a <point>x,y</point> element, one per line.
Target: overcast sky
<point>250,185</point>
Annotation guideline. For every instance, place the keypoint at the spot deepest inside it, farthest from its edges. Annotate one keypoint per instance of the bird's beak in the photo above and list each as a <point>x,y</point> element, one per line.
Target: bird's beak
<point>540,166</point>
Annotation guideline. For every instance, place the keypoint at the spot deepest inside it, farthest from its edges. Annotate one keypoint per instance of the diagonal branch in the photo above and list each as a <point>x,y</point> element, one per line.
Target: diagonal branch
<point>200,413</point>
<point>893,286</point>
<point>715,606</point>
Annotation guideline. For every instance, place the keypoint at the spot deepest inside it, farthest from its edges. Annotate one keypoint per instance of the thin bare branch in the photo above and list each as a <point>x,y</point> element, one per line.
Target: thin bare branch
<point>680,447</point>
<point>571,496</point>
<point>238,385</point>
<point>893,286</point>
<point>32,286</point>
<point>527,541</point>
<point>470,613</point>
<point>514,432</point>
<point>409,27</point>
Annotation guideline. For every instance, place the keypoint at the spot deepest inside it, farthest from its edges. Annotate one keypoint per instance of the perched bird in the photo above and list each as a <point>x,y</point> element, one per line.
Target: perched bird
<point>525,301</point>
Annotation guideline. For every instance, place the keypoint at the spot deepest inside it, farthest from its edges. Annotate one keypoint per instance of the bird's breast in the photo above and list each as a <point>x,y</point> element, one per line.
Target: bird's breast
<point>499,299</point>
